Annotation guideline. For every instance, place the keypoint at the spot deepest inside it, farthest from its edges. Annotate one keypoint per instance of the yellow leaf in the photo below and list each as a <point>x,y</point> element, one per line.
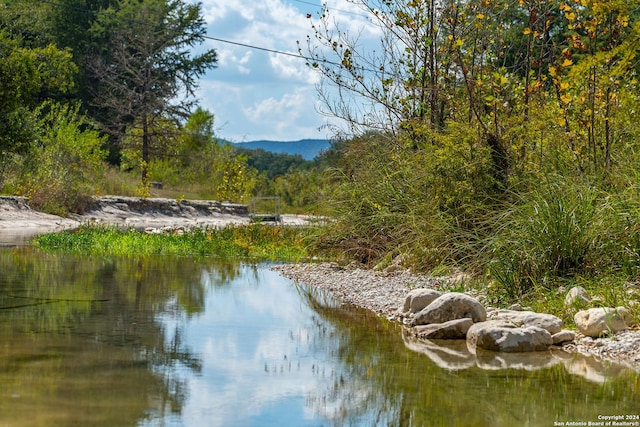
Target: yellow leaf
<point>480,16</point>
<point>552,71</point>
<point>458,43</point>
<point>526,31</point>
<point>564,86</point>
<point>565,99</point>
<point>567,62</point>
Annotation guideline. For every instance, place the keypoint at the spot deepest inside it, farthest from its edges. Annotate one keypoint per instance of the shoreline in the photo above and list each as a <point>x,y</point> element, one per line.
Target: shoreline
<point>384,293</point>
<point>19,222</point>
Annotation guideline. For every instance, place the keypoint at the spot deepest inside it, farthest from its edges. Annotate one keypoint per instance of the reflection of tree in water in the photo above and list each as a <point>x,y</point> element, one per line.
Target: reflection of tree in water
<point>383,383</point>
<point>351,399</point>
<point>91,329</point>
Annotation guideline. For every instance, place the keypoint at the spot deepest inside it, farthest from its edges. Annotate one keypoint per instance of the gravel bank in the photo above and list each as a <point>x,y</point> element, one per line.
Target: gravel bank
<point>384,294</point>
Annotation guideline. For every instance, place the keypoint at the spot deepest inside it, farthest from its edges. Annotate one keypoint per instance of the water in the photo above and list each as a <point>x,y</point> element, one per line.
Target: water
<point>183,342</point>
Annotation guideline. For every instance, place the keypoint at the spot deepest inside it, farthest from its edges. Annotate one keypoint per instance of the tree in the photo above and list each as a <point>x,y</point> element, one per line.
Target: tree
<point>146,72</point>
<point>432,69</point>
<point>27,77</point>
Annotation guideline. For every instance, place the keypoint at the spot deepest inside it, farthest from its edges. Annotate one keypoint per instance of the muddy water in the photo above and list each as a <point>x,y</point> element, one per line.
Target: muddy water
<point>183,342</point>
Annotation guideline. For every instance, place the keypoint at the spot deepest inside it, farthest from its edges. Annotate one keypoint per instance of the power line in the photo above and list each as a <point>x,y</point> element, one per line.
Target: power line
<point>221,40</point>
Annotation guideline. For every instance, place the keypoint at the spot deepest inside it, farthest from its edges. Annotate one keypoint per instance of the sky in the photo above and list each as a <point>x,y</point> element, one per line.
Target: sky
<point>255,94</point>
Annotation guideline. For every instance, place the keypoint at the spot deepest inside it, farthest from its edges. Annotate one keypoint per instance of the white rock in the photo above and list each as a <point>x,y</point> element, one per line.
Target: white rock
<point>595,322</point>
<point>417,299</point>
<point>563,336</point>
<point>549,322</point>
<point>451,306</point>
<point>577,296</point>
<point>451,330</point>
<point>497,335</point>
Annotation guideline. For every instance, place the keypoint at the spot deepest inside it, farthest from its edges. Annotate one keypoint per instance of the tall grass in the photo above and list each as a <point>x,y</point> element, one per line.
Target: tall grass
<point>550,232</point>
<point>256,241</point>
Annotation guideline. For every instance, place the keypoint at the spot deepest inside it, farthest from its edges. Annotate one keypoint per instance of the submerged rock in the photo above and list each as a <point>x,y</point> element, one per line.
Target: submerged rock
<point>502,336</point>
<point>451,306</point>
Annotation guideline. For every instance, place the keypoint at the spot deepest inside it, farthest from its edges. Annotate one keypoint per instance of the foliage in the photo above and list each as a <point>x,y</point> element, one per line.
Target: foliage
<point>27,77</point>
<point>504,139</point>
<point>145,77</point>
<point>190,155</point>
<point>59,173</point>
<point>274,164</point>
<point>256,241</point>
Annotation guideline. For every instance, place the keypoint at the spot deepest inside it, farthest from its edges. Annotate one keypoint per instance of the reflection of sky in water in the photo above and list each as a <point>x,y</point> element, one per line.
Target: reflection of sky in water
<point>260,362</point>
<point>221,344</point>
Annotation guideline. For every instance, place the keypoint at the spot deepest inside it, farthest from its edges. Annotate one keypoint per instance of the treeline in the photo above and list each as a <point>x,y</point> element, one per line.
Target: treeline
<point>97,97</point>
<point>497,136</point>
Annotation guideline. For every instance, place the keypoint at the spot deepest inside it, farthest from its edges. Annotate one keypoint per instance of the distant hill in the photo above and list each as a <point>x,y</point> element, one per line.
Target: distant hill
<point>307,148</point>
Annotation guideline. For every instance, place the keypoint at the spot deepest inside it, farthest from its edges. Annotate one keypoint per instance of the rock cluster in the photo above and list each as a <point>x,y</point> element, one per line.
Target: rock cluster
<point>399,295</point>
<point>452,315</point>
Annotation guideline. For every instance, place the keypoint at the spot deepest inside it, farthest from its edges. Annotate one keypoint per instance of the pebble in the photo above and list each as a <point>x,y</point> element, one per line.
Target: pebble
<point>384,292</point>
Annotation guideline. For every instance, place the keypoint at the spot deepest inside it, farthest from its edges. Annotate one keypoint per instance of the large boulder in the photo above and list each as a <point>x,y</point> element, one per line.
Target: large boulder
<point>451,306</point>
<point>451,330</point>
<point>417,299</point>
<point>501,336</point>
<point>549,322</point>
<point>595,322</point>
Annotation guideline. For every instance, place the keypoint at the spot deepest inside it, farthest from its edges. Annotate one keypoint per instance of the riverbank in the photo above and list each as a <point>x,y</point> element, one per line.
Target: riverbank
<point>381,292</point>
<point>19,221</point>
<point>384,294</point>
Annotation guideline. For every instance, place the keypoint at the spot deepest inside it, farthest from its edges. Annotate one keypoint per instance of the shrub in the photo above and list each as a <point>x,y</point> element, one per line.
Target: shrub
<point>60,172</point>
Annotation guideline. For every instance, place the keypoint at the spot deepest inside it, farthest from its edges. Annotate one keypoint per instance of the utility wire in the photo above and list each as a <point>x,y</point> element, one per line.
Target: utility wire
<point>249,46</point>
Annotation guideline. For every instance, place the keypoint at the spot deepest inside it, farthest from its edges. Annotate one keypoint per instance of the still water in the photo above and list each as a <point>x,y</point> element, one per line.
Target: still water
<point>183,342</point>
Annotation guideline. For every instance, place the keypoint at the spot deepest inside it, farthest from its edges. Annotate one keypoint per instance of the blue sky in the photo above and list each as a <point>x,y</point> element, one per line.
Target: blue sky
<point>261,95</point>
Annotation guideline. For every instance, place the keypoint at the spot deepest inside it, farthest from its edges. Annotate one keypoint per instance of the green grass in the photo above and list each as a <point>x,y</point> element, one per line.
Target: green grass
<point>256,241</point>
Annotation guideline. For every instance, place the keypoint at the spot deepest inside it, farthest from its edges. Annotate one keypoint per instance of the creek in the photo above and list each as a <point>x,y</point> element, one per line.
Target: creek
<point>209,342</point>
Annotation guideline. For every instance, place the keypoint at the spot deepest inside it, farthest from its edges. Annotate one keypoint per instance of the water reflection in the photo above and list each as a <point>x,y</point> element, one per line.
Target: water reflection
<point>177,341</point>
<point>455,355</point>
<point>451,386</point>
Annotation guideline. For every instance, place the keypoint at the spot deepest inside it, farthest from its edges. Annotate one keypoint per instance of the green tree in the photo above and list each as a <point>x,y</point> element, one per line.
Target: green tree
<point>27,77</point>
<point>147,72</point>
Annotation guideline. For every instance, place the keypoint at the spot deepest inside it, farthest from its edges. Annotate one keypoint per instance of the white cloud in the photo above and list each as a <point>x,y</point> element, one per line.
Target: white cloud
<point>257,94</point>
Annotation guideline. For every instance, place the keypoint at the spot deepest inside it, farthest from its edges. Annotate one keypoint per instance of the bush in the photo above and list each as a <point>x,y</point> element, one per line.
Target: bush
<point>60,172</point>
<point>425,201</point>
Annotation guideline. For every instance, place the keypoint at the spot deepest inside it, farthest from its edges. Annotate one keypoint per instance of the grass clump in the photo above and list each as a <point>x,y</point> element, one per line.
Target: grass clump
<point>255,241</point>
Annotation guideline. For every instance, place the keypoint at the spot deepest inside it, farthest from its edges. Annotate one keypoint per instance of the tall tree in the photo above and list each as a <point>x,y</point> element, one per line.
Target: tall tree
<point>146,71</point>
